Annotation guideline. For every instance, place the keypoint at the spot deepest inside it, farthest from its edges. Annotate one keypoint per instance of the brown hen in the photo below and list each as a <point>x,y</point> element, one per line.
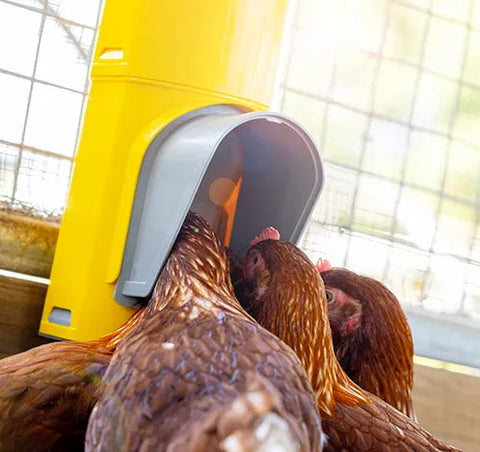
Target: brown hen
<point>371,336</point>
<point>48,392</point>
<point>197,373</point>
<point>287,297</point>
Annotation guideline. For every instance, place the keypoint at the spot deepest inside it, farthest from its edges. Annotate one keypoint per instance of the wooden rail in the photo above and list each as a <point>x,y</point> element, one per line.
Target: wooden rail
<point>27,245</point>
<point>21,304</point>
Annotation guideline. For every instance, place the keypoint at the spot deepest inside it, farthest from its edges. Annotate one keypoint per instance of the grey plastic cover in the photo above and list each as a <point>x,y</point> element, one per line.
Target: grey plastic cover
<point>281,171</point>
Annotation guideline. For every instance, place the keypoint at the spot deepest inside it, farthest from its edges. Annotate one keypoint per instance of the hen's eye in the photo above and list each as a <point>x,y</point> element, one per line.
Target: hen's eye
<point>329,295</point>
<point>255,260</point>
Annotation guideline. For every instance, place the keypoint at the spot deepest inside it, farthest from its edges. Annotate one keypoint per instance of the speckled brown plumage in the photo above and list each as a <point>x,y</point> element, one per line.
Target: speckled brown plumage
<point>287,297</point>
<point>379,355</point>
<point>198,373</point>
<point>47,393</point>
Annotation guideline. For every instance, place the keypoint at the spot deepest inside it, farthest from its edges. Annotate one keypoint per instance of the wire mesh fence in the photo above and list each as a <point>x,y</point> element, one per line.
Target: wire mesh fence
<point>44,61</point>
<point>390,89</point>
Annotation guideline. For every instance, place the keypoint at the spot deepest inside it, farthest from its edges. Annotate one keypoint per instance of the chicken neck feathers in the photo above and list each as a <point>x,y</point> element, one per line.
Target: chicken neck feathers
<point>302,323</point>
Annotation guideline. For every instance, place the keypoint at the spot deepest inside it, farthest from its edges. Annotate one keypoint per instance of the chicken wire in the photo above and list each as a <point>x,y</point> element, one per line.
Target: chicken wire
<point>44,62</point>
<point>390,90</point>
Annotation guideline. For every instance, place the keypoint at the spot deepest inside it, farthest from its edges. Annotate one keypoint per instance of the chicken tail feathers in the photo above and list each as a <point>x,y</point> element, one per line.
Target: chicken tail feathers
<point>255,421</point>
<point>269,432</point>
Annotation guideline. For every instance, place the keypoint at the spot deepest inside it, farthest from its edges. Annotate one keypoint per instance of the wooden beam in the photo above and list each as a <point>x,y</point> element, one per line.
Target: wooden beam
<point>27,244</point>
<point>21,304</point>
<point>447,405</point>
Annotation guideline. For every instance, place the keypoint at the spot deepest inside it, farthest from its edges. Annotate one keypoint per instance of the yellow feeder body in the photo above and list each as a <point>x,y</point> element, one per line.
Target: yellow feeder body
<point>155,60</point>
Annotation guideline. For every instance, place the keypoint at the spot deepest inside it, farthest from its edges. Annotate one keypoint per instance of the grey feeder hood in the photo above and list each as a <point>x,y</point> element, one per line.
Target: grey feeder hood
<point>195,163</point>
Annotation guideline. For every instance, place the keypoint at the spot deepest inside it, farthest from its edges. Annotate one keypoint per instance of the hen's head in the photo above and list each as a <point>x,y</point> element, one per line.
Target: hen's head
<point>270,266</point>
<point>366,309</point>
<point>344,311</point>
<point>344,314</point>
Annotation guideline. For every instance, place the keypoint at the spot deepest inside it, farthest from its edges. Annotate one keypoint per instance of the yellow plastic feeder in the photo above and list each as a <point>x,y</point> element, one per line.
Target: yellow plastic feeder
<point>175,121</point>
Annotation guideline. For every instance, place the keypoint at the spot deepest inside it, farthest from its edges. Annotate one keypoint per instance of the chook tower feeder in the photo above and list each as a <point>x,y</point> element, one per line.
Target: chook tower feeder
<point>175,120</point>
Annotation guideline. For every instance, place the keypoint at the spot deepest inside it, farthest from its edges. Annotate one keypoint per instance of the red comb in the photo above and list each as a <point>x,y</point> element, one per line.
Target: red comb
<point>323,265</point>
<point>269,233</point>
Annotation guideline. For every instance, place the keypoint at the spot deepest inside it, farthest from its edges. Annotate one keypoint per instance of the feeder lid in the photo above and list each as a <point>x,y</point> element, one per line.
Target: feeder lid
<point>281,179</point>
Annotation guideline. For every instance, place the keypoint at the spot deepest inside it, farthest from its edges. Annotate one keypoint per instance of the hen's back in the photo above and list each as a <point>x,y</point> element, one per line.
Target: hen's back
<point>377,426</point>
<point>203,380</point>
<point>46,395</point>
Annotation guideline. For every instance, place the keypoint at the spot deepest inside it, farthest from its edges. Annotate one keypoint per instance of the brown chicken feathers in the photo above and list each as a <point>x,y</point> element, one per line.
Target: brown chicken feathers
<point>46,396</point>
<point>48,392</point>
<point>287,296</point>
<point>197,373</point>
